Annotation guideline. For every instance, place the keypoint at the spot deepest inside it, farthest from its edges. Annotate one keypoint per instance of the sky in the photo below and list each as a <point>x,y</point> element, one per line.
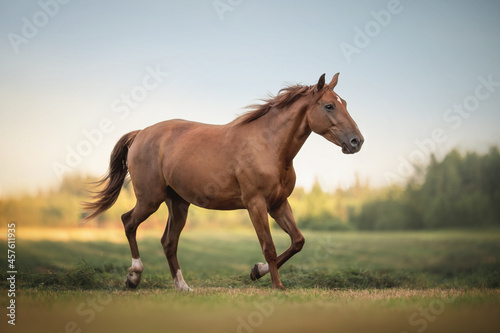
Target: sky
<point>420,78</point>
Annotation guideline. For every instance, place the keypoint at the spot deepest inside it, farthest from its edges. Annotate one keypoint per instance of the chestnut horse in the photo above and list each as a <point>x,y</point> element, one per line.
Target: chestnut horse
<point>245,164</point>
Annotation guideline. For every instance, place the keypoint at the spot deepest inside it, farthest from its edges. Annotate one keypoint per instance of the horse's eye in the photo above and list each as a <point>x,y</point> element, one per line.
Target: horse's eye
<point>329,107</point>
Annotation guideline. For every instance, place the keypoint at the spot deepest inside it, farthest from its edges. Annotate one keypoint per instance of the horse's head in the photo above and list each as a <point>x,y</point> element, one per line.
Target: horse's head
<point>328,117</point>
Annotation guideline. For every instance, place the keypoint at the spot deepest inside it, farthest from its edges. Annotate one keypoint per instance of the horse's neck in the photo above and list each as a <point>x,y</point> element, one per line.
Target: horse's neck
<point>290,129</point>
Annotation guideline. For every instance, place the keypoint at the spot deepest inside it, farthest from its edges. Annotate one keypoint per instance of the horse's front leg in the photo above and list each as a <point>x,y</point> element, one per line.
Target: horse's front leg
<point>284,217</point>
<point>258,214</point>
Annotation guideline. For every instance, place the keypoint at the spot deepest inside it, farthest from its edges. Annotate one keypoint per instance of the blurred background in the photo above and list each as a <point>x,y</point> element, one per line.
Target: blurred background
<point>421,78</point>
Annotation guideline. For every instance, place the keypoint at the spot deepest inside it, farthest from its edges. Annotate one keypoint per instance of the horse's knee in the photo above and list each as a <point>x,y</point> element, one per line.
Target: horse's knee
<point>298,243</point>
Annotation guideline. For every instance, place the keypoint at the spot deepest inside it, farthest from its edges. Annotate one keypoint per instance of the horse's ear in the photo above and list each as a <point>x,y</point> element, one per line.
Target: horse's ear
<point>334,81</point>
<point>321,82</point>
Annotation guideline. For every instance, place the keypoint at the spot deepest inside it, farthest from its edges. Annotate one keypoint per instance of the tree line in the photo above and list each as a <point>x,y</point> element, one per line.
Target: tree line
<point>459,191</point>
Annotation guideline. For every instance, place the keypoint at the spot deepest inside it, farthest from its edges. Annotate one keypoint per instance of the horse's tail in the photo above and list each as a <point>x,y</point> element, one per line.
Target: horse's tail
<point>113,180</point>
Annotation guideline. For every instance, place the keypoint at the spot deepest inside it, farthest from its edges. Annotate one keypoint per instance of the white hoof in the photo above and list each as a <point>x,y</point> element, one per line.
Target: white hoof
<point>134,274</point>
<point>263,268</point>
<point>179,282</point>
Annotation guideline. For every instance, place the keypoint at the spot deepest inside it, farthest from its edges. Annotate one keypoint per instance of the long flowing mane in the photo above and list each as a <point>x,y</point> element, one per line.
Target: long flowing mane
<point>285,97</point>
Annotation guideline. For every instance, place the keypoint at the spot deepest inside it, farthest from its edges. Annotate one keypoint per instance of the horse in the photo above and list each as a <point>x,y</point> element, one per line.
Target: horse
<point>244,164</point>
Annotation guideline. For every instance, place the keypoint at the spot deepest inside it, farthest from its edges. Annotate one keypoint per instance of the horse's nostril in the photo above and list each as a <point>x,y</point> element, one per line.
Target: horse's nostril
<point>355,142</point>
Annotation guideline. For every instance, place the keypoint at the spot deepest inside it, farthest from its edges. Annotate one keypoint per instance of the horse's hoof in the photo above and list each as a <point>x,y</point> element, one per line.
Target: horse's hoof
<point>255,274</point>
<point>129,284</point>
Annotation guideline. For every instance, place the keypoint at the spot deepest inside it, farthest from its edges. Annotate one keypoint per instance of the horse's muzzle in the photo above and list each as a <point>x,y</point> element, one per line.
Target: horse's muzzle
<point>353,146</point>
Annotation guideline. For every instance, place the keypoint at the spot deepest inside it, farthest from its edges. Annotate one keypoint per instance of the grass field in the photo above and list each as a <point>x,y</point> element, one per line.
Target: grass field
<point>341,282</point>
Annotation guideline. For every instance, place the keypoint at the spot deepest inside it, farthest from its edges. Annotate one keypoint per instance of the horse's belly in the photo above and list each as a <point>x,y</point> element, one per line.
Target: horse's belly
<point>212,190</point>
<point>211,197</point>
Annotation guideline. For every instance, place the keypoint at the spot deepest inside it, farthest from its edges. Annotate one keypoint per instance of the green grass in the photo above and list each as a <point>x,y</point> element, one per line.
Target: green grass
<point>221,259</point>
<point>352,282</point>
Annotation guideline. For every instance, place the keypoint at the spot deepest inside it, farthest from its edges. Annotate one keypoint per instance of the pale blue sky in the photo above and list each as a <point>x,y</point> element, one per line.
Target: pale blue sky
<point>71,73</point>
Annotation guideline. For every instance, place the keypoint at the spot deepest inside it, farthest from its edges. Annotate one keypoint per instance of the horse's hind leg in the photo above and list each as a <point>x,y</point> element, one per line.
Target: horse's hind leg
<point>178,209</point>
<point>131,221</point>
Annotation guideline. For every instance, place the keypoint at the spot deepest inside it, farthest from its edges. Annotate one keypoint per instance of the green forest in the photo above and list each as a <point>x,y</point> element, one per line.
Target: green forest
<point>459,191</point>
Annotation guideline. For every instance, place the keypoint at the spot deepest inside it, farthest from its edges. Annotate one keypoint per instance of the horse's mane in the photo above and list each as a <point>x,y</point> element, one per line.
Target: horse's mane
<point>285,97</point>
